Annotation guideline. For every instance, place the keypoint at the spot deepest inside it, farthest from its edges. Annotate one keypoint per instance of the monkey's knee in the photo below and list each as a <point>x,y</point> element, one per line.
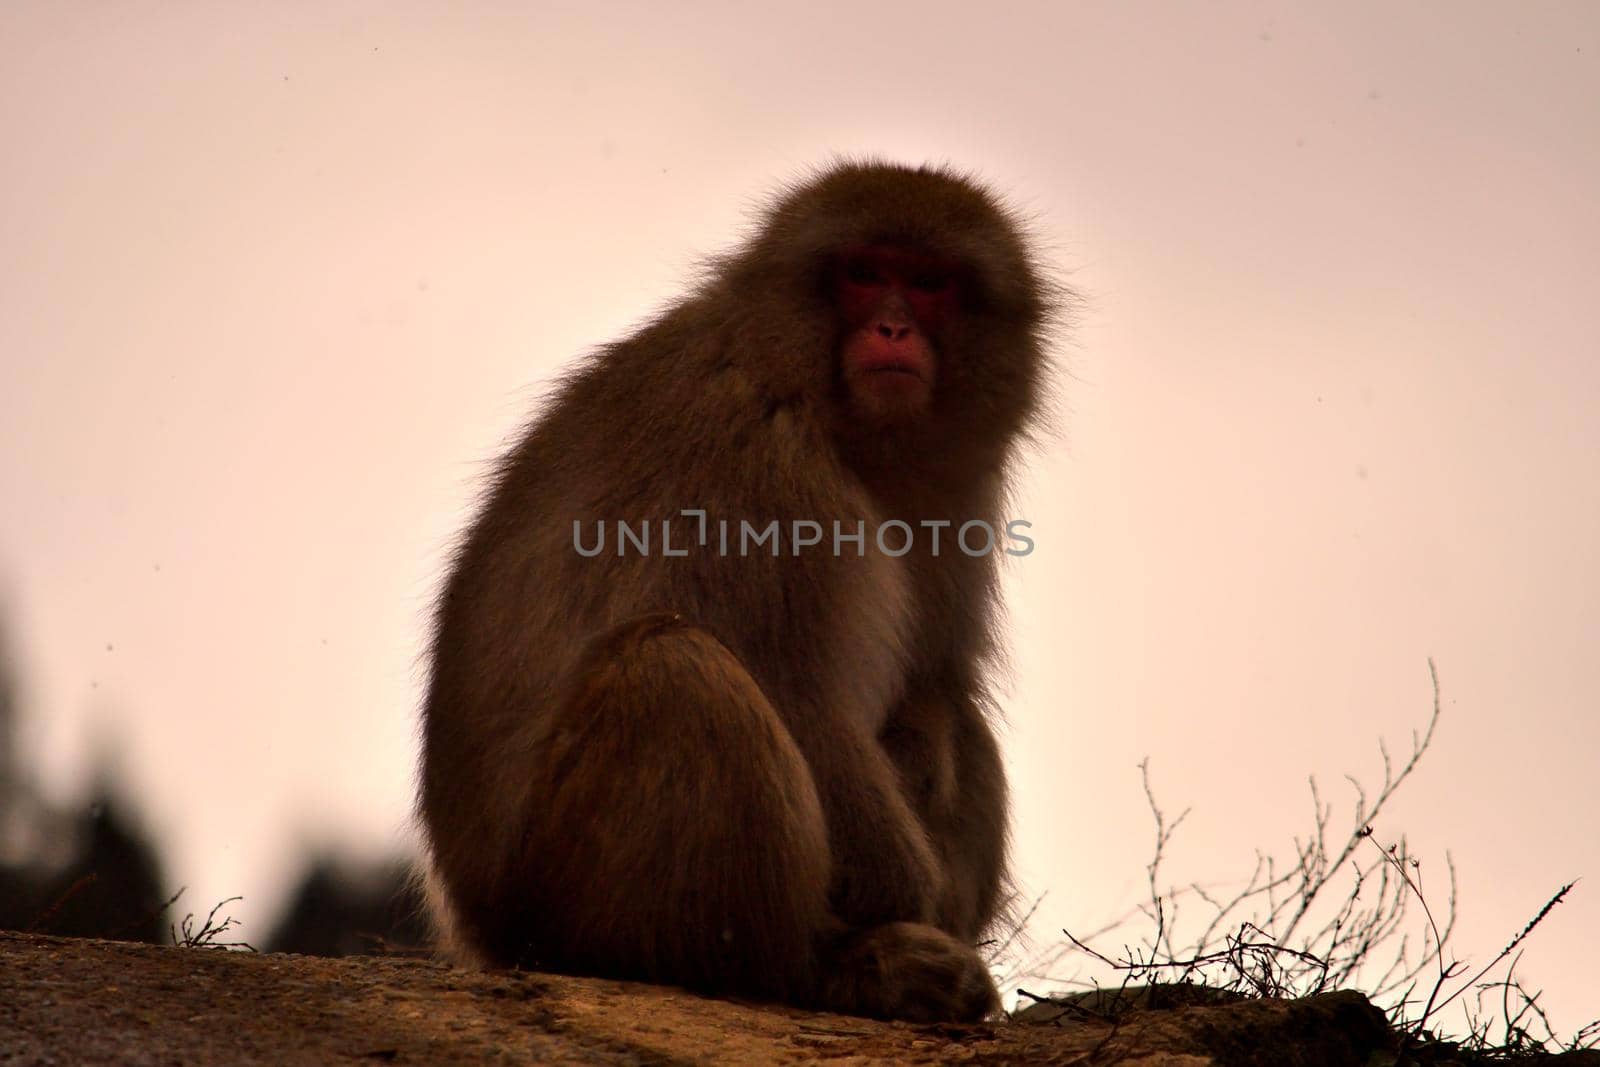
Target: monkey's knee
<point>676,833</point>
<point>907,971</point>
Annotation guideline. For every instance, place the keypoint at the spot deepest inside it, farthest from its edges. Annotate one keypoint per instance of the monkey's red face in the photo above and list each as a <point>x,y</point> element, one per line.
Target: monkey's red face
<point>893,303</point>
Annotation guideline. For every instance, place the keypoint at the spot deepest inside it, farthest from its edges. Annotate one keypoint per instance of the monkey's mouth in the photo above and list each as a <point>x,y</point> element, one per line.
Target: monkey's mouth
<point>893,365</point>
<point>892,387</point>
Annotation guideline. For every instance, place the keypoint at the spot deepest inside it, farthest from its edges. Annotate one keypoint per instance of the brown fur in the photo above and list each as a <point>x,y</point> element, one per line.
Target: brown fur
<point>756,775</point>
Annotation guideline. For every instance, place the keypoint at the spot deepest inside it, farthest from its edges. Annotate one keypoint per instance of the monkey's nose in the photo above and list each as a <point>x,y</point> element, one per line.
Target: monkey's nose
<point>893,332</point>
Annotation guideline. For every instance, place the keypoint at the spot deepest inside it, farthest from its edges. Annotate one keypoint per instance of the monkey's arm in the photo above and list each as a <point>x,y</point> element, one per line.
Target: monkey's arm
<point>885,869</point>
<point>945,751</point>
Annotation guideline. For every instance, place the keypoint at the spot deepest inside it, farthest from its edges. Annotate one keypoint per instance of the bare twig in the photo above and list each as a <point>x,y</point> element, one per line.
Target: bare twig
<point>1286,933</point>
<point>210,932</point>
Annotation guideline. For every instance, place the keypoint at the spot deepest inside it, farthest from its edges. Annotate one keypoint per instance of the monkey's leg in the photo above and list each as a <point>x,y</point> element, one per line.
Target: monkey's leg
<point>675,833</point>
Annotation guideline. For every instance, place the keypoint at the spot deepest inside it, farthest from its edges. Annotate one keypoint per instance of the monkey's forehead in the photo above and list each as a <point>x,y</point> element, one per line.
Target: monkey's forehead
<point>882,202</point>
<point>935,211</point>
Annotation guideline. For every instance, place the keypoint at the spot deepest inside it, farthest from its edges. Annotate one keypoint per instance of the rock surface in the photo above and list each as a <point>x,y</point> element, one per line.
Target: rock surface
<point>65,1001</point>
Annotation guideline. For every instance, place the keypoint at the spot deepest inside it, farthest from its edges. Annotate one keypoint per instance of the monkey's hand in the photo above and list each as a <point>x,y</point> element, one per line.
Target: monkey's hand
<point>907,971</point>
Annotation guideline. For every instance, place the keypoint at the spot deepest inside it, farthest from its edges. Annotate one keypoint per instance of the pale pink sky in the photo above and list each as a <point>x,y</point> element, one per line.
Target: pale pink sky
<point>276,282</point>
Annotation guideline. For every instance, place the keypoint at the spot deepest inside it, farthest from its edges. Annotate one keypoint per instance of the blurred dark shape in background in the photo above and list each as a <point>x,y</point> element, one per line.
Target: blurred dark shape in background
<point>349,909</point>
<point>88,873</point>
<point>109,886</point>
<point>92,872</point>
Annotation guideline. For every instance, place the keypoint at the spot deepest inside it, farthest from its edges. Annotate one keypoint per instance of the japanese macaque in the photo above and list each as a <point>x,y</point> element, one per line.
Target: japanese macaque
<point>756,766</point>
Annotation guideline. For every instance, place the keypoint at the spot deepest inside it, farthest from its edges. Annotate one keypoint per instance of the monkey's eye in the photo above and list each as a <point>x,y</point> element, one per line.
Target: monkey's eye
<point>861,272</point>
<point>929,281</point>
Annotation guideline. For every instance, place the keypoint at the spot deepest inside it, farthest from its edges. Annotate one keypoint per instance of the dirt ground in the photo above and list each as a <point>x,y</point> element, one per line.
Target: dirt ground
<point>65,1001</point>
